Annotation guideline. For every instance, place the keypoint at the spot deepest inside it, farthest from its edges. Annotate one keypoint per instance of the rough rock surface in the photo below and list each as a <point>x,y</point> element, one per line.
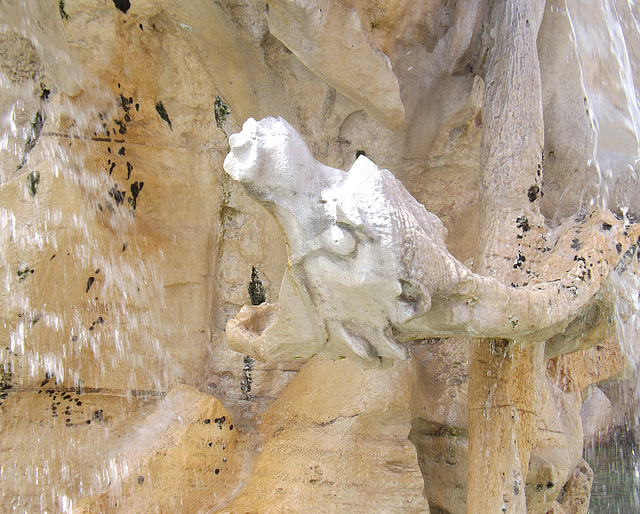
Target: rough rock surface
<point>108,111</point>
<point>187,450</point>
<point>348,452</point>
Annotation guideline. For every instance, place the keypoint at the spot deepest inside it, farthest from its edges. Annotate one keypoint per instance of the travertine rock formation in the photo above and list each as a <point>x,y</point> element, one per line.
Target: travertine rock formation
<point>126,249</point>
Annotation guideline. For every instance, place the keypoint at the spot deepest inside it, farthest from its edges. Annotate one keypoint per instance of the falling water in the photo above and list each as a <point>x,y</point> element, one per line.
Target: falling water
<point>99,323</point>
<point>606,34</point>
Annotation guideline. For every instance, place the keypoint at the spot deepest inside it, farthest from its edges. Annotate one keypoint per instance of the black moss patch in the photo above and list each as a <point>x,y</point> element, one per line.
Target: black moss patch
<point>125,103</point>
<point>117,195</point>
<point>45,92</point>
<point>63,14</point>
<point>23,272</point>
<point>123,5</point>
<point>33,179</point>
<point>122,128</point>
<point>257,292</point>
<point>247,376</point>
<point>135,191</point>
<point>162,112</point>
<point>523,223</point>
<point>221,111</point>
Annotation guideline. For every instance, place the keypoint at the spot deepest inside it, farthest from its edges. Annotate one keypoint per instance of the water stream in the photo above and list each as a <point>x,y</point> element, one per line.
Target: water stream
<point>606,34</point>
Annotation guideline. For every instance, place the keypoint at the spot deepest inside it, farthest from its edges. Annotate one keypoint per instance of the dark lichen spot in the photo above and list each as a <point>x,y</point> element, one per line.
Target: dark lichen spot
<point>129,170</point>
<point>523,223</point>
<point>124,6</point>
<point>221,111</point>
<point>124,246</point>
<point>135,191</point>
<point>216,471</point>
<point>576,244</point>
<point>162,112</point>
<point>122,128</point>
<point>33,179</point>
<point>124,103</point>
<point>247,378</point>
<point>619,247</point>
<point>257,292</point>
<point>121,150</point>
<point>533,192</point>
<point>63,14</point>
<point>141,480</point>
<point>24,272</point>
<point>207,421</point>
<point>230,427</point>
<point>117,195</point>
<point>359,153</point>
<point>98,415</point>
<point>550,485</point>
<point>519,260</point>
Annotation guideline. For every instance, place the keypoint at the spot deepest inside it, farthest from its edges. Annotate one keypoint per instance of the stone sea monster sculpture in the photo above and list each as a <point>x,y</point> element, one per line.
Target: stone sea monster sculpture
<point>368,268</point>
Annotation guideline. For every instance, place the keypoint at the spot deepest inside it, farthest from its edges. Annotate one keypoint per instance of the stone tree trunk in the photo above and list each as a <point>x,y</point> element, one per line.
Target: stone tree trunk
<point>505,377</point>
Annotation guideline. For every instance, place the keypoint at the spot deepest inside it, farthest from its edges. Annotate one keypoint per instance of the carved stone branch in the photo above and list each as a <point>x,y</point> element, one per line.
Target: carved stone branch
<point>369,269</point>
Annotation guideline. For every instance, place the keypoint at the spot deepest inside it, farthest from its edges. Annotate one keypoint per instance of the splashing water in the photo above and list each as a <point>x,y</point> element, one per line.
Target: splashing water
<point>606,34</point>
<point>81,299</point>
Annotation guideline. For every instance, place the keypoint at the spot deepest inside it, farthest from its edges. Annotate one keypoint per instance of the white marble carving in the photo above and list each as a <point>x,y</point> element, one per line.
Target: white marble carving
<point>369,269</point>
